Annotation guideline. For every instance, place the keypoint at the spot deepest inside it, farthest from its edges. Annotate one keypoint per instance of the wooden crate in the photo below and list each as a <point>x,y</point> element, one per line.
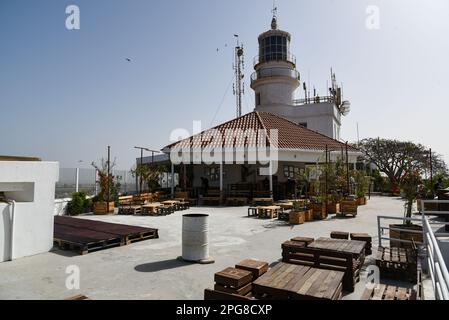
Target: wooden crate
<point>297,217</point>
<point>306,241</point>
<point>242,291</point>
<point>223,296</point>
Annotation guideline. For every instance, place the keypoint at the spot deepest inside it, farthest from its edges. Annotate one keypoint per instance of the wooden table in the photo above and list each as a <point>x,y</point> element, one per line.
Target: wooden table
<point>357,248</point>
<point>285,205</point>
<point>288,281</point>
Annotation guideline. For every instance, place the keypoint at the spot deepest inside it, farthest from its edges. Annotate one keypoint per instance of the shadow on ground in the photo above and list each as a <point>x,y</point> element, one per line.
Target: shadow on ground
<point>161,265</point>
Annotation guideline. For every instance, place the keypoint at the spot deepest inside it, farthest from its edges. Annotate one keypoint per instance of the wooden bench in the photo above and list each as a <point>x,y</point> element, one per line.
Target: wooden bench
<point>252,212</point>
<point>297,253</point>
<point>339,235</point>
<point>256,267</point>
<point>234,281</point>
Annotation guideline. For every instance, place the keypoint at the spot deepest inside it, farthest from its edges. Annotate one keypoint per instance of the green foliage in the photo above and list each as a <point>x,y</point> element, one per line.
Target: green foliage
<point>107,182</point>
<point>149,175</point>
<point>79,204</point>
<point>362,183</point>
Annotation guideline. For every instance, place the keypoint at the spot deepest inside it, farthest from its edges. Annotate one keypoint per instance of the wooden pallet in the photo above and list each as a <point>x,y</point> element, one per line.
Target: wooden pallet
<point>339,235</point>
<point>88,235</point>
<point>397,263</point>
<point>385,292</point>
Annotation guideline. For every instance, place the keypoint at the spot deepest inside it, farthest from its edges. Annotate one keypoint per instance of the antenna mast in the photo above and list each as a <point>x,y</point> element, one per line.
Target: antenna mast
<point>239,85</point>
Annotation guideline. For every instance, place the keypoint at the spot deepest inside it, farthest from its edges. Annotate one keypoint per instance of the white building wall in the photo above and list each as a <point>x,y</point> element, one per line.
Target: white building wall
<point>32,185</point>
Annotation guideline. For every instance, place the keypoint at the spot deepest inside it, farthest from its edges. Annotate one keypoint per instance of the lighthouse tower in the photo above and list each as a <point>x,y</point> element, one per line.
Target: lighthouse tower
<point>275,79</point>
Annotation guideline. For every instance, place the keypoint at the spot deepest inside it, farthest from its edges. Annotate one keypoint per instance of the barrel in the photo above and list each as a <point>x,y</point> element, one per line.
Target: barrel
<point>195,237</point>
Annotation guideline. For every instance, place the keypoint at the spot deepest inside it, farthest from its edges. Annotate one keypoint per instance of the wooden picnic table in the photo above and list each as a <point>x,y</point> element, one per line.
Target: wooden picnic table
<point>298,282</point>
<point>151,208</point>
<point>268,211</point>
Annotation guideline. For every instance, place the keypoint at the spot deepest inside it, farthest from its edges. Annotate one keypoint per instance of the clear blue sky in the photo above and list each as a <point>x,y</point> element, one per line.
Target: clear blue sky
<point>65,95</point>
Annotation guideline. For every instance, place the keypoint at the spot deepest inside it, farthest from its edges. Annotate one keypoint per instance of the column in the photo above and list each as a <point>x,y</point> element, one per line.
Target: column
<point>172,181</point>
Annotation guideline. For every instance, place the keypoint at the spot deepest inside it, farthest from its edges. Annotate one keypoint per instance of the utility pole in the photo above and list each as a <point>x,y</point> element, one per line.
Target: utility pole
<point>239,66</point>
<point>109,177</point>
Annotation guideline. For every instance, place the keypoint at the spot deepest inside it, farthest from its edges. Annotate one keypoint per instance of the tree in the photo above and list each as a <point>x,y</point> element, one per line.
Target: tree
<point>106,182</point>
<point>397,159</point>
<point>149,175</point>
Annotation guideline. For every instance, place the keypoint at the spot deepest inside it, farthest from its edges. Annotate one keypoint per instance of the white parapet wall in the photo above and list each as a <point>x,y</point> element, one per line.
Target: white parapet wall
<point>31,184</point>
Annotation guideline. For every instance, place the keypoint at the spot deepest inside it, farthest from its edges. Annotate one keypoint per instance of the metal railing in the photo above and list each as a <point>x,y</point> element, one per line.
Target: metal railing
<point>317,99</point>
<point>275,72</point>
<point>437,268</point>
<point>275,56</point>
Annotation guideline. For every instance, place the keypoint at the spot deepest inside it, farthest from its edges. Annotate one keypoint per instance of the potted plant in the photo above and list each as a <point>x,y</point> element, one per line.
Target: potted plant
<point>108,190</point>
<point>79,204</point>
<point>408,231</point>
<point>298,214</point>
<point>319,208</point>
<point>361,186</point>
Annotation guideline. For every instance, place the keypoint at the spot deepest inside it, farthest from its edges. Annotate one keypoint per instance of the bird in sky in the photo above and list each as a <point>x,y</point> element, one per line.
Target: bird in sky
<point>128,59</point>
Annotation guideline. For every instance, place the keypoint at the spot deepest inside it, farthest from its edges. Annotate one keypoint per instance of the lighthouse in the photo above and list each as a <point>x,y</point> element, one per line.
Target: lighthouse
<point>276,80</point>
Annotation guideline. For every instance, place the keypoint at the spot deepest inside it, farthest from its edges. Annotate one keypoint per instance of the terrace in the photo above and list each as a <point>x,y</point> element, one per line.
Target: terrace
<point>150,270</point>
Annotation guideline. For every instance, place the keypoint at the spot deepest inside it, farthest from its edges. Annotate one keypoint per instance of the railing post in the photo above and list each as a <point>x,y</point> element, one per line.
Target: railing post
<point>379,231</point>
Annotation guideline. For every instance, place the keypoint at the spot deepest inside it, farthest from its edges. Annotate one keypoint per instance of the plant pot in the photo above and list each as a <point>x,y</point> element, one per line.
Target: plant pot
<point>361,201</point>
<point>405,235</point>
<point>319,211</point>
<point>349,207</point>
<point>308,215</point>
<point>297,217</point>
<point>333,207</point>
<point>101,208</point>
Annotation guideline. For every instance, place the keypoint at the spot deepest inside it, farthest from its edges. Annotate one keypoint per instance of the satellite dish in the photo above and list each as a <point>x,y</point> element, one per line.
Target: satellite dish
<point>345,108</point>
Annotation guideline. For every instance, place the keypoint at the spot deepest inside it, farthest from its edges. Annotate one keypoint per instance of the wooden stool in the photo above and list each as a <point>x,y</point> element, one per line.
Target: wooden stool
<point>364,237</point>
<point>304,240</point>
<point>340,235</point>
<point>256,267</point>
<point>234,281</point>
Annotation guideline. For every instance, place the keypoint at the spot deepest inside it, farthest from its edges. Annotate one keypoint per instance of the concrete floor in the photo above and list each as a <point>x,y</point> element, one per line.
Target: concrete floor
<point>149,269</point>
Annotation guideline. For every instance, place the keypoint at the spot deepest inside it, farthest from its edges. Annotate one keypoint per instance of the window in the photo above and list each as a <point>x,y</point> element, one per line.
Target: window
<point>304,124</point>
<point>258,99</point>
<point>273,48</point>
<point>291,172</point>
<point>213,173</point>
